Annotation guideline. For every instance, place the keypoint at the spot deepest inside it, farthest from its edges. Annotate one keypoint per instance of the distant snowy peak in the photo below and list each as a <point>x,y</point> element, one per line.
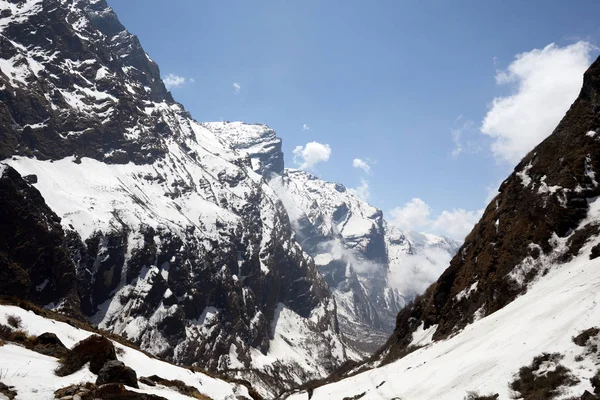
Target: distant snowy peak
<point>336,211</point>
<point>423,240</point>
<point>258,141</point>
<point>329,206</point>
<point>362,257</point>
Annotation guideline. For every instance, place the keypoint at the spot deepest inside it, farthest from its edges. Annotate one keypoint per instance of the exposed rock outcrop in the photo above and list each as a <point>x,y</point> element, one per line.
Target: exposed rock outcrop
<point>34,258</point>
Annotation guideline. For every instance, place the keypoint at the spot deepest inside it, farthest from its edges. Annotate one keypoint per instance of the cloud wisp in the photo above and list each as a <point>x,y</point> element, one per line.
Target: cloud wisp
<point>545,82</point>
<point>416,215</point>
<point>362,190</point>
<point>173,81</point>
<point>362,164</point>
<point>412,274</point>
<point>309,155</point>
<point>462,137</point>
<point>236,87</point>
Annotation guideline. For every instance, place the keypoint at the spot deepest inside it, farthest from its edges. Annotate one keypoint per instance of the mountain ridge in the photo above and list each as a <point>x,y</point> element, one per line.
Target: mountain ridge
<point>362,257</point>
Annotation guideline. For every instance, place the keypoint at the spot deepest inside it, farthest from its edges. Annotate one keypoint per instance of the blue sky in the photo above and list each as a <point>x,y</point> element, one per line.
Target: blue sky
<point>403,86</point>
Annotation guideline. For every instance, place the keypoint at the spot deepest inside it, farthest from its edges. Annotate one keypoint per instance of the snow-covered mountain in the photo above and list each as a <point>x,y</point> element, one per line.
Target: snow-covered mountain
<point>163,233</point>
<point>516,313</point>
<point>361,256</point>
<point>256,140</point>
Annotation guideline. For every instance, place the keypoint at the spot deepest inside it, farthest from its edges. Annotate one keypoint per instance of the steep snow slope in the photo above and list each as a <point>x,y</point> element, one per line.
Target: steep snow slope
<point>370,266</point>
<point>32,374</point>
<point>177,243</point>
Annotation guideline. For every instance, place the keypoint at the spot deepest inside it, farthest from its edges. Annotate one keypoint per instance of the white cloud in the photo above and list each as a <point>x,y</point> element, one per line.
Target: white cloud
<point>173,81</point>
<point>362,190</point>
<point>416,215</point>
<point>237,87</point>
<point>458,148</point>
<point>362,164</point>
<point>351,256</point>
<point>456,223</point>
<point>460,138</point>
<point>305,127</point>
<point>311,154</point>
<point>412,274</point>
<point>546,83</point>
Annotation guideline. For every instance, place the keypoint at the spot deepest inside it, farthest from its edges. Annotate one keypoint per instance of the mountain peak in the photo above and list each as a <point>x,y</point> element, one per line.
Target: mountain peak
<point>92,90</point>
<point>258,141</point>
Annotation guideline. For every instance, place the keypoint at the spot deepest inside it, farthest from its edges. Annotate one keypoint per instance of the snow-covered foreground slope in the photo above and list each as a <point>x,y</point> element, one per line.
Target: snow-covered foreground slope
<point>486,355</point>
<point>32,374</point>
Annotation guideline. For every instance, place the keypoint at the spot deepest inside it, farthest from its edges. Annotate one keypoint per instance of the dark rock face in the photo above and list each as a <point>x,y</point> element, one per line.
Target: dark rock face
<point>97,121</point>
<point>109,391</point>
<point>34,259</point>
<point>176,385</point>
<point>49,344</point>
<point>544,200</point>
<point>96,350</point>
<point>117,372</point>
<point>7,391</point>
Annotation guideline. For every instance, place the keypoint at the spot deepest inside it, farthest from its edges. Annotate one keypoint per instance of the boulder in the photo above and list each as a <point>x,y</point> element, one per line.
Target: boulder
<point>117,372</point>
<point>96,350</point>
<point>50,345</point>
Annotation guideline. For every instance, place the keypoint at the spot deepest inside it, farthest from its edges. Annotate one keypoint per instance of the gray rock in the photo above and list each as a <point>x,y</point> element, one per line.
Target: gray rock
<point>117,372</point>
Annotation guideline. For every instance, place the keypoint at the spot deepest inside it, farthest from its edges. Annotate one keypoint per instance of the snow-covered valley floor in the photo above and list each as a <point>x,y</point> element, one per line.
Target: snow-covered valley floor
<point>487,354</point>
<point>32,374</point>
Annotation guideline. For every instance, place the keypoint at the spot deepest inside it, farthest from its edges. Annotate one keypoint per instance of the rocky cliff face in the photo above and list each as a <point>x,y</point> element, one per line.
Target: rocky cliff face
<point>176,242</point>
<point>75,82</point>
<point>357,252</point>
<point>347,238</point>
<point>34,258</point>
<point>542,216</point>
<point>355,249</point>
